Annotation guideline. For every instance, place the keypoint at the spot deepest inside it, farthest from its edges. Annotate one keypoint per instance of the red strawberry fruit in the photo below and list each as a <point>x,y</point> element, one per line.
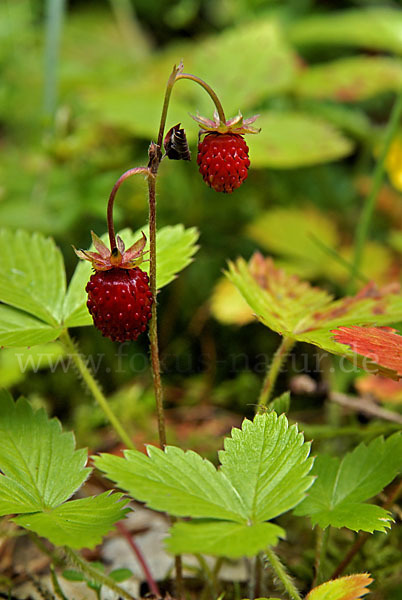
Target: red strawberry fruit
<point>223,161</point>
<point>119,298</point>
<point>120,301</point>
<point>223,154</point>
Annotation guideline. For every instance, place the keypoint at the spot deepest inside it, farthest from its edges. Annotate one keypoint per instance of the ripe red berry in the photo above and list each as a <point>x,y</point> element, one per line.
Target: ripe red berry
<point>223,161</point>
<point>119,301</point>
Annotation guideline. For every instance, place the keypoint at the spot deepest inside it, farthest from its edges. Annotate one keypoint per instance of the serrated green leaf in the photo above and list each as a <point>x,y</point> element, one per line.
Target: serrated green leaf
<point>294,139</point>
<point>175,247</point>
<point>222,538</point>
<point>338,494</point>
<point>264,473</point>
<point>41,467</point>
<point>18,329</point>
<point>304,313</point>
<point>350,79</point>
<point>373,28</point>
<point>79,523</point>
<point>32,276</point>
<point>180,483</point>
<point>262,460</point>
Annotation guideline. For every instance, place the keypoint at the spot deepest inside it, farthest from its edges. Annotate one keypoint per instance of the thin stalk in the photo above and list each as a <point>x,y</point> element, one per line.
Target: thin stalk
<point>175,76</point>
<point>282,575</point>
<point>363,226</point>
<point>321,551</point>
<point>272,374</point>
<point>95,388</point>
<point>96,575</point>
<point>53,27</point>
<point>110,204</point>
<point>153,586</point>
<point>209,91</point>
<point>153,327</point>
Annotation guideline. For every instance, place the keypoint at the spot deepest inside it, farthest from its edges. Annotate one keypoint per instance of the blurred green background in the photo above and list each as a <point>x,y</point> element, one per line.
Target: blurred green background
<point>81,90</point>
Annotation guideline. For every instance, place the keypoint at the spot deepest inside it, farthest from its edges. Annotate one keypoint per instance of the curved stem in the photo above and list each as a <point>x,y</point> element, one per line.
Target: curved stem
<point>175,76</point>
<point>209,91</point>
<point>272,374</point>
<point>110,224</point>
<point>281,573</point>
<point>378,175</point>
<point>95,388</point>
<point>93,573</point>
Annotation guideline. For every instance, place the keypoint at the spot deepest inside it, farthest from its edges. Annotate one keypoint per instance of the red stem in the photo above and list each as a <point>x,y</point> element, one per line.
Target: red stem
<point>110,224</point>
<point>153,586</point>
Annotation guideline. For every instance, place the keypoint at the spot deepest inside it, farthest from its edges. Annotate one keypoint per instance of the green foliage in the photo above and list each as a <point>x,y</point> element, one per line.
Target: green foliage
<point>351,79</point>
<point>304,313</point>
<point>260,464</point>
<point>351,587</point>
<point>374,28</point>
<point>42,470</point>
<point>16,363</point>
<point>343,485</point>
<point>295,139</point>
<point>32,276</point>
<point>32,280</point>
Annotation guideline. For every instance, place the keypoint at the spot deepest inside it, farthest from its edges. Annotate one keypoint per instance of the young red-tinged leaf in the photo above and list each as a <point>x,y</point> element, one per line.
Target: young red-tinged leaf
<point>382,345</point>
<point>351,587</point>
<point>309,314</point>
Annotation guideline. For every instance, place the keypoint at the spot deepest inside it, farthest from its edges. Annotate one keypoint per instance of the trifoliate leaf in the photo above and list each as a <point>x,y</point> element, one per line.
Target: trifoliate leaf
<point>264,458</point>
<point>41,469</point>
<point>175,247</point>
<point>304,313</point>
<point>80,523</point>
<point>294,139</point>
<point>351,587</point>
<point>18,329</point>
<point>32,276</point>
<point>222,538</point>
<point>382,345</point>
<point>350,79</point>
<point>372,28</point>
<point>180,483</point>
<point>264,473</point>
<point>342,486</point>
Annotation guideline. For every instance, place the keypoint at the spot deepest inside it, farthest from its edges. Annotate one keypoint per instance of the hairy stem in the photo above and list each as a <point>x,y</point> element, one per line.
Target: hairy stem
<point>272,374</point>
<point>282,575</point>
<point>86,568</point>
<point>94,388</point>
<point>110,223</point>
<point>321,550</point>
<point>153,586</point>
<point>363,226</point>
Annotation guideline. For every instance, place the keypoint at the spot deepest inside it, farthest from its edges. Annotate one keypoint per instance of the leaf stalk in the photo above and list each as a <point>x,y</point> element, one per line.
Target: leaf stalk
<point>281,573</point>
<point>271,376</point>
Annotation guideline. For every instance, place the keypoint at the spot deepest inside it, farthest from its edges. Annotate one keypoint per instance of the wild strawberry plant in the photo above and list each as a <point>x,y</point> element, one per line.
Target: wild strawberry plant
<point>265,469</point>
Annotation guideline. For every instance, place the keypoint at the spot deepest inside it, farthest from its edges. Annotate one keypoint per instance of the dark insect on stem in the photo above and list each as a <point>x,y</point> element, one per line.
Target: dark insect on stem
<point>176,145</point>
